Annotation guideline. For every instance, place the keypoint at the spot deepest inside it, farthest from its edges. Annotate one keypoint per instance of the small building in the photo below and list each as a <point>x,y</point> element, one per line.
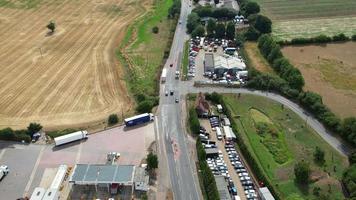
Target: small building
<point>202,106</point>
<point>221,184</point>
<point>229,135</point>
<point>38,193</point>
<point>212,152</point>
<point>209,62</point>
<point>228,64</point>
<point>141,179</point>
<point>265,194</point>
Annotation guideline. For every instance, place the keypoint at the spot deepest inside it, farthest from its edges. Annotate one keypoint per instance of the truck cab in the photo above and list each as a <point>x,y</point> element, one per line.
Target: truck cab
<point>4,170</point>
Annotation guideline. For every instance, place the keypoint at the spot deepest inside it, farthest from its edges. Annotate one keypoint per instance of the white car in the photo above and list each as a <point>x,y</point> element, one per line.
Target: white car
<point>243,174</point>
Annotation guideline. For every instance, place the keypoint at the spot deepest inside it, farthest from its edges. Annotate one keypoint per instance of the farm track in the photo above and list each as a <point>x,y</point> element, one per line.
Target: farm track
<point>76,80</point>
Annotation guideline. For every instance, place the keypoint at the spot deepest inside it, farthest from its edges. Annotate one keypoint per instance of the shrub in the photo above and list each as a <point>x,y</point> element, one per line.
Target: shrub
<point>152,161</point>
<point>194,123</point>
<point>144,106</point>
<point>302,172</point>
<point>340,37</point>
<point>113,119</point>
<point>349,179</point>
<point>33,128</point>
<point>155,30</point>
<point>353,37</point>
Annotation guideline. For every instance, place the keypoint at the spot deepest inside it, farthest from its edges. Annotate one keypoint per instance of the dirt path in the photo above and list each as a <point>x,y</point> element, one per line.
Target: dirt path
<point>70,78</point>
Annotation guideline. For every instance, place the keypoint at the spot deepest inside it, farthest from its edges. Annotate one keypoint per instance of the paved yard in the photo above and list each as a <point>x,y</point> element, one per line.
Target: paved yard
<point>27,163</point>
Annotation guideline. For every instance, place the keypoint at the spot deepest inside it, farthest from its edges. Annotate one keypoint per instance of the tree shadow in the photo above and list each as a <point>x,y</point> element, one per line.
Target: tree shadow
<point>303,187</point>
<point>49,33</point>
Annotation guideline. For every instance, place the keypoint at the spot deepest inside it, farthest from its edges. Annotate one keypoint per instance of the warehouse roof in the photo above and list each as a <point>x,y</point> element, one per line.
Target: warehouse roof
<point>94,174</point>
<point>211,151</point>
<point>209,60</point>
<point>229,62</point>
<point>222,188</point>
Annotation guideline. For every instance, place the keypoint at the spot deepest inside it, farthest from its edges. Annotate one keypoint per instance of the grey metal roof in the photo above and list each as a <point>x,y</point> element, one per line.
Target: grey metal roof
<point>221,184</point>
<point>212,151</point>
<point>93,174</point>
<point>209,60</point>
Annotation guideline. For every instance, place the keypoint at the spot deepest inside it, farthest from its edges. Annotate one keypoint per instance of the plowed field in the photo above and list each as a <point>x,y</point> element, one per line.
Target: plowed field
<point>69,78</point>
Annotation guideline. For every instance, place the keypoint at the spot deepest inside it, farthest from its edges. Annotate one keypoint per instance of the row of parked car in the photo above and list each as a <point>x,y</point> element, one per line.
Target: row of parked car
<point>193,52</point>
<point>241,171</point>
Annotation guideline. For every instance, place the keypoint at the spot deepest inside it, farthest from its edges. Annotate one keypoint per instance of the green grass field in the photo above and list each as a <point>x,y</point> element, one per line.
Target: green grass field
<point>300,142</point>
<point>306,18</point>
<point>185,59</point>
<point>144,50</point>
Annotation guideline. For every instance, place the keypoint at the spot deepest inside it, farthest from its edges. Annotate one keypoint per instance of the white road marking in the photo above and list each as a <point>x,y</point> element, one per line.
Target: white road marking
<point>33,172</point>
<point>79,152</point>
<point>2,153</point>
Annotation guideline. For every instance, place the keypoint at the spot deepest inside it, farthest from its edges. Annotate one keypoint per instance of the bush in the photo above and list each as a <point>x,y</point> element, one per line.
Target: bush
<point>18,135</point>
<point>250,8</point>
<point>302,172</point>
<point>194,123</point>
<point>340,37</point>
<point>353,37</point>
<point>113,119</point>
<point>252,34</point>
<point>263,24</point>
<point>198,31</point>
<point>192,22</point>
<point>349,179</point>
<point>152,161</point>
<point>155,30</point>
<point>144,106</point>
<point>33,128</point>
<point>319,155</point>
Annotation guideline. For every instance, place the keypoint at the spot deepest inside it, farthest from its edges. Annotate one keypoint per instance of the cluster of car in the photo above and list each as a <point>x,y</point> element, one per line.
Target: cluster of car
<point>171,92</point>
<point>193,52</point>
<point>241,171</point>
<point>214,121</point>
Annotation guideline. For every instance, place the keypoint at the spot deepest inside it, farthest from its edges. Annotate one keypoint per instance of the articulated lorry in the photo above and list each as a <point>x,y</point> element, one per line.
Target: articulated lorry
<point>139,119</point>
<point>164,75</point>
<point>4,170</point>
<point>79,135</point>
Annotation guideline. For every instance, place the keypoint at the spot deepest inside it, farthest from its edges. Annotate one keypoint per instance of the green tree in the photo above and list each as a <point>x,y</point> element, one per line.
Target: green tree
<point>204,11</point>
<point>239,40</point>
<point>230,31</point>
<point>220,30</point>
<point>319,155</point>
<point>250,7</point>
<point>349,129</point>
<point>193,121</point>
<point>51,26</point>
<point>198,31</point>
<point>174,10</point>
<point>275,53</point>
<point>252,34</point>
<point>152,161</point>
<point>33,128</point>
<point>349,179</point>
<point>352,158</point>
<point>263,24</point>
<point>210,27</point>
<point>155,30</point>
<point>113,119</point>
<point>144,106</point>
<point>196,1</point>
<point>302,172</point>
<point>192,22</point>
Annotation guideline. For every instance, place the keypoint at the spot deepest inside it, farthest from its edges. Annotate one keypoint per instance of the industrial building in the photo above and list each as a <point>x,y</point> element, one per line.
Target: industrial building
<point>228,64</point>
<point>209,62</point>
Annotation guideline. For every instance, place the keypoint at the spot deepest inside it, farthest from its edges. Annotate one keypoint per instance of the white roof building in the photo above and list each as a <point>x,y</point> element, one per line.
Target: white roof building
<point>265,194</point>
<point>228,62</point>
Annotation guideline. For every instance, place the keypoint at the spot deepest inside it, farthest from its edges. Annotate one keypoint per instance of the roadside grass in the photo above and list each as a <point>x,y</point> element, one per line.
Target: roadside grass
<point>256,59</point>
<point>337,73</point>
<point>258,116</point>
<point>144,50</point>
<point>58,133</point>
<point>185,59</point>
<point>300,140</point>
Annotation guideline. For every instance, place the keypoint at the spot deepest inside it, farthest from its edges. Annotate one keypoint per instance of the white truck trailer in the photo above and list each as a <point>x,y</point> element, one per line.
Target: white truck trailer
<point>164,75</point>
<point>38,193</point>
<point>79,135</point>
<point>4,170</point>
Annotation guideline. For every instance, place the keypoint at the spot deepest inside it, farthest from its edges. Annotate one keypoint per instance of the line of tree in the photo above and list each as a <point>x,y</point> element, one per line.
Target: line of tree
<point>145,103</point>
<point>272,52</point>
<point>320,39</point>
<point>193,120</point>
<point>174,10</point>
<point>209,185</point>
<point>20,135</point>
<point>217,13</point>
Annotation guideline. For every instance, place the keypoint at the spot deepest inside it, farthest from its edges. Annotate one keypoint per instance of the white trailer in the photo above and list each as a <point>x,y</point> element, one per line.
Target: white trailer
<point>58,179</point>
<point>70,137</point>
<point>164,75</point>
<point>38,193</point>
<point>218,133</point>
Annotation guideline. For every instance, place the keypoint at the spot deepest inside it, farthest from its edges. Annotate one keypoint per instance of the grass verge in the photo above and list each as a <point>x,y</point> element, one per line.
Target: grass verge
<point>301,142</point>
<point>185,60</point>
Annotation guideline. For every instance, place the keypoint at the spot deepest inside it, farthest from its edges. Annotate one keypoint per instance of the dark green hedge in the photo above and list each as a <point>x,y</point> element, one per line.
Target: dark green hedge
<point>14,135</point>
<point>320,39</point>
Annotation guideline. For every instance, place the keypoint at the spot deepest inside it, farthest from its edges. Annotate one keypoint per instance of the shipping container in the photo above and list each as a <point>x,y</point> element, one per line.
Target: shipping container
<point>70,137</point>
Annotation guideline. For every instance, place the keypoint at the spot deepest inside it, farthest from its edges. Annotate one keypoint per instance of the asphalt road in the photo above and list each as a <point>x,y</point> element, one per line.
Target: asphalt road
<point>335,142</point>
<point>174,155</point>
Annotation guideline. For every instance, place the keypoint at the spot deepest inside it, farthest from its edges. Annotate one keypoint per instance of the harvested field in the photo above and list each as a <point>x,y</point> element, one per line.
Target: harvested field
<point>305,18</point>
<point>69,78</point>
<point>329,70</point>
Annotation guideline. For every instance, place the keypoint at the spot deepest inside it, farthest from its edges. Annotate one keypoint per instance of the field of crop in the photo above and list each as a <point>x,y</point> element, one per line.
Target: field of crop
<point>71,77</point>
<point>329,70</point>
<point>284,140</point>
<point>305,18</point>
